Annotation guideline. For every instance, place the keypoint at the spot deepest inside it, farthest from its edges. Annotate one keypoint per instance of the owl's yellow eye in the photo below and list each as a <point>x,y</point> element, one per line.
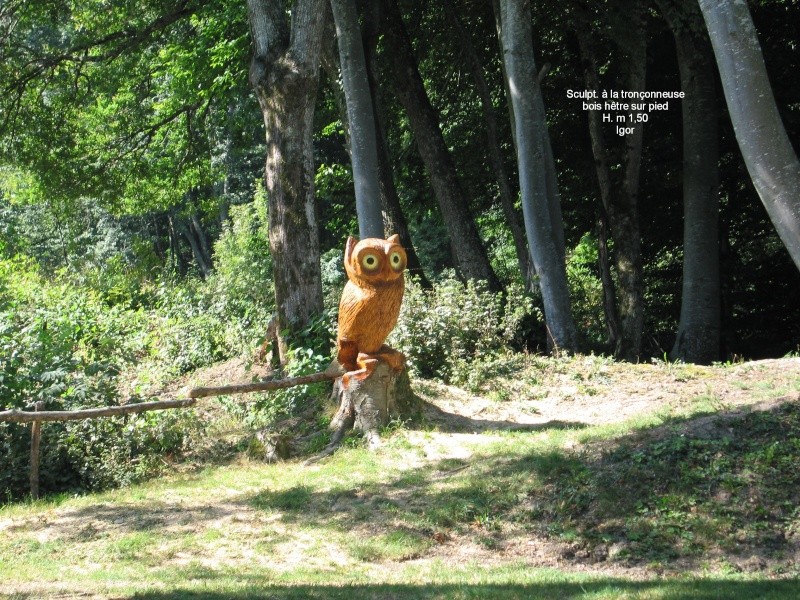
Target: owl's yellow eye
<point>396,260</point>
<point>370,262</point>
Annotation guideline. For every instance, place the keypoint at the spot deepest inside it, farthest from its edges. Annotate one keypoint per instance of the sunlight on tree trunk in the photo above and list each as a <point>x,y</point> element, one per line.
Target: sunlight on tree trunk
<point>285,77</point>
<point>766,149</point>
<point>363,151</point>
<point>697,339</point>
<point>540,226</point>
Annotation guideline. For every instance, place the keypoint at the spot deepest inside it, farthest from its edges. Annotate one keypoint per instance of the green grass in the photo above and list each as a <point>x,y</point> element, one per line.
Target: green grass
<point>687,502</point>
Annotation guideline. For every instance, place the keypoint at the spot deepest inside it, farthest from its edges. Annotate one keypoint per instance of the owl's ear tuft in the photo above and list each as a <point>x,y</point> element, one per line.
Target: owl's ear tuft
<point>348,248</point>
<point>394,239</point>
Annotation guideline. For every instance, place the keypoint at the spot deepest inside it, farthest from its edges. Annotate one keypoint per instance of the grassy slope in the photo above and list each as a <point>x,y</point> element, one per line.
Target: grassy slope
<point>696,498</point>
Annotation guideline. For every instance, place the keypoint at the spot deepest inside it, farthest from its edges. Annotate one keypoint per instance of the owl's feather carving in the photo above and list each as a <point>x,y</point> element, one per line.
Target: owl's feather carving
<point>370,303</point>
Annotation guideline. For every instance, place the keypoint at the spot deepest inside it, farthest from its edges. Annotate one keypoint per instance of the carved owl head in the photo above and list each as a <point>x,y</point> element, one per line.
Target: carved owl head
<point>374,261</point>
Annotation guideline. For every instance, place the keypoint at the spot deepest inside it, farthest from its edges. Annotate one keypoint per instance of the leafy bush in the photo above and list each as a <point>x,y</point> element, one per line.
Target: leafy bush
<point>310,350</point>
<point>65,346</point>
<point>586,292</point>
<point>444,330</point>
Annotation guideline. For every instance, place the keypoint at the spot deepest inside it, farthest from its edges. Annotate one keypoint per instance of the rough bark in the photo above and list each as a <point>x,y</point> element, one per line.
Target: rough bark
<point>467,247</point>
<point>603,171</point>
<point>360,119</point>
<point>541,222</point>
<point>507,195</point>
<point>284,74</point>
<point>767,151</point>
<point>367,405</point>
<point>623,210</point>
<point>698,335</point>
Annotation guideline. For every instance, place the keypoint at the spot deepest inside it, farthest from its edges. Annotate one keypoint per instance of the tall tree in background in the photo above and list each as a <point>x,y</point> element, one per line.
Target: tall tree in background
<point>544,229</point>
<point>393,218</point>
<point>630,32</point>
<point>698,333</point>
<point>767,151</point>
<point>363,147</point>
<point>284,73</point>
<point>602,167</point>
<point>465,242</point>
<point>619,213</point>
<point>493,147</point>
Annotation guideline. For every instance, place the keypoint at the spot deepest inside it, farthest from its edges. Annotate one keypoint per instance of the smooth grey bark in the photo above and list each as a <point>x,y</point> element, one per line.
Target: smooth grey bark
<point>540,221</point>
<point>507,195</point>
<point>465,242</point>
<point>284,74</point>
<point>363,150</point>
<point>624,216</point>
<point>394,221</point>
<point>767,152</point>
<point>698,334</point>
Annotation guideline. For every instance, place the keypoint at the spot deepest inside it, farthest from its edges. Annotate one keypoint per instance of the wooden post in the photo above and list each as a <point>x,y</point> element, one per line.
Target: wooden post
<point>36,438</point>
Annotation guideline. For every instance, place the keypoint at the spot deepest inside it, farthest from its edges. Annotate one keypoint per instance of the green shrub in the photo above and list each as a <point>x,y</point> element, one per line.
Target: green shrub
<point>310,350</point>
<point>444,330</point>
<point>586,292</point>
<point>65,346</point>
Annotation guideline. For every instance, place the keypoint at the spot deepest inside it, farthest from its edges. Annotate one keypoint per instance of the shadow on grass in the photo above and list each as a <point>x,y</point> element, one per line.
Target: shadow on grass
<point>593,588</point>
<point>455,423</point>
<point>725,486</point>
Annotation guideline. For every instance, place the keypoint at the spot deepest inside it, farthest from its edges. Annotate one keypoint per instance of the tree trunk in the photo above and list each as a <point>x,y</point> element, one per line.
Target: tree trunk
<point>624,208</point>
<point>698,333</point>
<point>394,220</point>
<point>540,220</point>
<point>768,154</point>
<point>284,74</point>
<point>465,241</point>
<point>197,251</point>
<point>363,151</point>
<point>507,195</point>
<point>367,405</point>
<point>601,163</point>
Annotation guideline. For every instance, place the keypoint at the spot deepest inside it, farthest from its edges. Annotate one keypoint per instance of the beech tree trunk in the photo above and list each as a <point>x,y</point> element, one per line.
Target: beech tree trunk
<point>603,170</point>
<point>284,74</point>
<point>360,119</point>
<point>507,195</point>
<point>542,223</point>
<point>394,220</point>
<point>767,151</point>
<point>467,247</point>
<point>697,339</point>
<point>367,405</point>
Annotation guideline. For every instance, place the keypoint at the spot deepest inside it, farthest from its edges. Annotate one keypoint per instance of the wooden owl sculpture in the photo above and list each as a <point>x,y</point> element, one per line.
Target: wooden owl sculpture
<point>370,305</point>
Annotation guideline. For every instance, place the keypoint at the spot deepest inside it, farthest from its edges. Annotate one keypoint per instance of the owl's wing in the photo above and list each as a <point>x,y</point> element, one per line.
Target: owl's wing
<point>349,306</point>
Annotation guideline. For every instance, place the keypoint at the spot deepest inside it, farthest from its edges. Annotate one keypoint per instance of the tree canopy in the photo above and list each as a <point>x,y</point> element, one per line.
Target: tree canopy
<point>142,118</point>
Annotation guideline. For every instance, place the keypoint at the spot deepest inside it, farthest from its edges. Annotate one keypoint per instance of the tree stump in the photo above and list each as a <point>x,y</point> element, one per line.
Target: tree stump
<point>369,404</point>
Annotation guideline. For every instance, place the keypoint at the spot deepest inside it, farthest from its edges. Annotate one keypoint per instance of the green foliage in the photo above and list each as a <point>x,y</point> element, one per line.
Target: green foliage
<point>65,346</point>
<point>121,105</point>
<point>66,339</point>
<point>309,351</point>
<point>586,291</point>
<point>444,330</point>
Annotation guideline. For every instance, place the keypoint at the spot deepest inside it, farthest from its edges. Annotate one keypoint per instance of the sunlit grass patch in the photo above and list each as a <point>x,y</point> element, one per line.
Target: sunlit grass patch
<point>394,546</point>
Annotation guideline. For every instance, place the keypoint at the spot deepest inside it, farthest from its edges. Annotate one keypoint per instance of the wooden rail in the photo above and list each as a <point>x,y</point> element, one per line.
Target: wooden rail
<point>37,416</point>
<point>24,416</point>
